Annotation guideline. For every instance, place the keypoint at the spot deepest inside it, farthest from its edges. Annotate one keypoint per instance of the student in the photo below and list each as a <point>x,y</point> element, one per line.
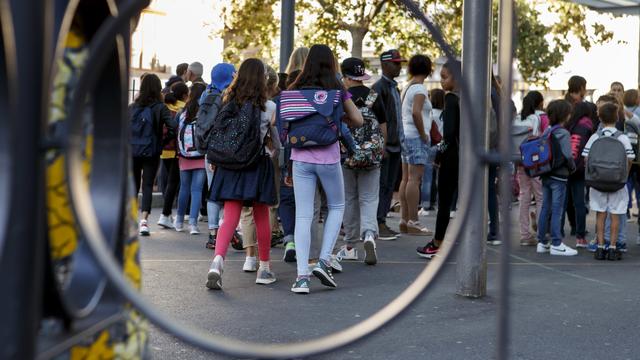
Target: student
<point>191,161</point>
<point>318,163</point>
<point>415,143</point>
<point>613,204</point>
<point>580,127</point>
<point>362,169</point>
<point>175,100</point>
<point>429,195</point>
<point>617,89</point>
<point>532,110</point>
<point>147,140</point>
<point>447,157</point>
<point>250,185</point>
<point>554,184</point>
<point>387,88</point>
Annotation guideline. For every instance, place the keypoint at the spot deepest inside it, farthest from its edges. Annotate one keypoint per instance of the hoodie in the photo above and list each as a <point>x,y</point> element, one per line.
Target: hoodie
<point>563,138</point>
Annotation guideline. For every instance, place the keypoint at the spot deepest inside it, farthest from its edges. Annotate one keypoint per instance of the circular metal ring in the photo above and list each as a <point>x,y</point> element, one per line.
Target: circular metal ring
<point>86,216</point>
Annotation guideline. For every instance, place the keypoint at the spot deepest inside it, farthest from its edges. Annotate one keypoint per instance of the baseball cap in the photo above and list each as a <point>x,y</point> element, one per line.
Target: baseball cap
<point>392,55</point>
<point>353,68</point>
<point>222,76</point>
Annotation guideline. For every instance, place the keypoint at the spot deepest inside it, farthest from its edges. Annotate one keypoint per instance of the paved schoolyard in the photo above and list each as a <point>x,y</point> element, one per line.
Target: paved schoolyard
<point>562,308</point>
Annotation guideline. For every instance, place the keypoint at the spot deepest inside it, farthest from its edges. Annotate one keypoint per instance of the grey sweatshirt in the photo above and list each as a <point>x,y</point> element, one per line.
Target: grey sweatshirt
<point>562,173</point>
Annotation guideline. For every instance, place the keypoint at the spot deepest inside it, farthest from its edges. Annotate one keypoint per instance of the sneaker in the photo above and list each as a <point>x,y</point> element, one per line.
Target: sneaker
<point>542,248</point>
<point>290,252</point>
<point>276,238</point>
<point>614,254</point>
<point>415,228</point>
<point>301,286</point>
<point>144,228</point>
<point>494,242</point>
<point>452,215</point>
<point>423,212</point>
<point>629,219</point>
<point>202,218</point>
<point>250,264</point>
<point>193,230</point>
<point>265,276</point>
<point>211,243</point>
<point>528,242</point>
<point>165,222</point>
<point>599,254</point>
<point>345,254</point>
<point>563,250</point>
<point>178,226</point>
<point>622,247</point>
<point>581,243</point>
<point>428,251</point>
<point>323,272</point>
<point>592,246</point>
<point>335,264</point>
<point>370,256</point>
<point>384,233</point>
<point>236,241</point>
<point>214,277</point>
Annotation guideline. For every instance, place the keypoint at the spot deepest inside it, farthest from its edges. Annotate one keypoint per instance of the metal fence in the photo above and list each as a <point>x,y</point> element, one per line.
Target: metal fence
<point>70,261</point>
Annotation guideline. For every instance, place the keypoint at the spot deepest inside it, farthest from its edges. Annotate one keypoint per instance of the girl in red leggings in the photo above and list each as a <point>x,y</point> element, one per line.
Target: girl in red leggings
<point>248,187</point>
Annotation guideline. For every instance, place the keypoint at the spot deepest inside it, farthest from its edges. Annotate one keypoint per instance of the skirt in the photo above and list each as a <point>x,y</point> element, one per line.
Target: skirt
<point>248,186</point>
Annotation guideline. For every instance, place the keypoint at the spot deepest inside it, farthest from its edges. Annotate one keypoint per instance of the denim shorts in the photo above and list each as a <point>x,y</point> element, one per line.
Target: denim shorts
<point>415,151</point>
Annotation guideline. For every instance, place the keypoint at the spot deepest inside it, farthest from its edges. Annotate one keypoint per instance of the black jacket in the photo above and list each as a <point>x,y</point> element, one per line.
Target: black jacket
<point>384,87</point>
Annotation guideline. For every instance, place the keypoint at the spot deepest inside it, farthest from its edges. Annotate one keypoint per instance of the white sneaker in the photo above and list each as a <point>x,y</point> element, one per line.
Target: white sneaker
<point>346,254</point>
<point>193,230</point>
<point>370,255</point>
<point>144,228</point>
<point>214,277</point>
<point>542,248</point>
<point>563,250</point>
<point>166,222</point>
<point>335,264</point>
<point>265,276</point>
<point>452,215</point>
<point>423,212</point>
<point>202,218</point>
<point>178,226</point>
<point>250,264</point>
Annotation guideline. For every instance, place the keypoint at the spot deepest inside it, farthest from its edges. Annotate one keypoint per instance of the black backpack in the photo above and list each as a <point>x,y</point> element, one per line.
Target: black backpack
<point>207,112</point>
<point>144,142</point>
<point>234,142</point>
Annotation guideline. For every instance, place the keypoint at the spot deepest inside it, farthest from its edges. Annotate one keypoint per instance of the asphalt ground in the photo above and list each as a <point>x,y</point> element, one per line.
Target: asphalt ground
<point>561,308</point>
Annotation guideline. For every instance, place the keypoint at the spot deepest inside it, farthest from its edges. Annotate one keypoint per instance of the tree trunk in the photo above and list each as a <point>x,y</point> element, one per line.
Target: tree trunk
<point>357,37</point>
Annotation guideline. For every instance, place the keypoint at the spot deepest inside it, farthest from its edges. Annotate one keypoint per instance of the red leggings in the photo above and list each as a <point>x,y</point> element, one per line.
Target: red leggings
<point>232,209</point>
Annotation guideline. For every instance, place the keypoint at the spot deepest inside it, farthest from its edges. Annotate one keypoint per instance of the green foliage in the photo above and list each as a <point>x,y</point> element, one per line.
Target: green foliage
<point>386,24</point>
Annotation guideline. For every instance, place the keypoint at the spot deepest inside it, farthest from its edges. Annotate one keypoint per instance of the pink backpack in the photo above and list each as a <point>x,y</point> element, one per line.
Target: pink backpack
<point>544,122</point>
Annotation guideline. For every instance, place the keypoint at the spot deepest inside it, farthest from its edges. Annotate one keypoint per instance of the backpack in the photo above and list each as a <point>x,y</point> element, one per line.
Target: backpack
<point>186,138</point>
<point>607,166</point>
<point>633,133</point>
<point>209,108</point>
<point>544,121</point>
<point>368,138</point>
<point>311,117</point>
<point>540,155</point>
<point>521,131</point>
<point>234,141</point>
<point>143,138</point>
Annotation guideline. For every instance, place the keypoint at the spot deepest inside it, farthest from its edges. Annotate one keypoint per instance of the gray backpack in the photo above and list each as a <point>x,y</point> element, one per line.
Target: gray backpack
<point>210,105</point>
<point>607,167</point>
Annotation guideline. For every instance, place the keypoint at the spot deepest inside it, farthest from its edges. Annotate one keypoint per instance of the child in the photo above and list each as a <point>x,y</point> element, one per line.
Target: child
<point>554,183</point>
<point>613,203</point>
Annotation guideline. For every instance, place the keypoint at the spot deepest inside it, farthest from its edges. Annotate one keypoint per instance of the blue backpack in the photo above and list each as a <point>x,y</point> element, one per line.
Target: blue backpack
<point>540,155</point>
<point>144,141</point>
<point>310,117</point>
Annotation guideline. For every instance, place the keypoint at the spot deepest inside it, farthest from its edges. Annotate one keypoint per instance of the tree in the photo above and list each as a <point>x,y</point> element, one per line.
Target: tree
<point>385,23</point>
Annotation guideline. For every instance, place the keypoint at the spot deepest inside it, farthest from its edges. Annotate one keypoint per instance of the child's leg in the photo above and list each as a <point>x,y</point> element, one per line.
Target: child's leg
<point>600,219</point>
<point>263,230</point>
<point>615,224</point>
<point>232,210</point>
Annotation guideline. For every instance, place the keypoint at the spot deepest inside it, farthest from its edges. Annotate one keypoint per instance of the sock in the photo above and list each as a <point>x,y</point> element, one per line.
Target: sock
<point>265,264</point>
<point>300,277</point>
<point>600,246</point>
<point>612,247</point>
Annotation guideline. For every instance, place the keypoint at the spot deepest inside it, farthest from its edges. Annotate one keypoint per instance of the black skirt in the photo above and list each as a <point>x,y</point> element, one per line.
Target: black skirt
<point>248,186</point>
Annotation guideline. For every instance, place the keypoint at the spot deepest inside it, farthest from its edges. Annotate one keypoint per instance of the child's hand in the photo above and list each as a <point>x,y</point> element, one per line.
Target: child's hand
<point>288,181</point>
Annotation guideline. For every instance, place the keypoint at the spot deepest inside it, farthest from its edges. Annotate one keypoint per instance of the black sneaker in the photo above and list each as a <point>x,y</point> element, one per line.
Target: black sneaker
<point>211,243</point>
<point>599,254</point>
<point>384,233</point>
<point>323,272</point>
<point>614,254</point>
<point>428,251</point>
<point>236,241</point>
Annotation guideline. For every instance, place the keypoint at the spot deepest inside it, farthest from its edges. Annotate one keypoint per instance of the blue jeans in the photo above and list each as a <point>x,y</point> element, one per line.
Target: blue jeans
<point>427,180</point>
<point>305,177</point>
<point>553,196</point>
<point>213,208</point>
<point>191,182</point>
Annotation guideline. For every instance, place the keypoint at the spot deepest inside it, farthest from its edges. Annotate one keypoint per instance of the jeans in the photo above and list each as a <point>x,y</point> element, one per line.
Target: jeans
<point>622,230</point>
<point>172,184</point>
<point>287,210</point>
<point>493,203</point>
<point>553,196</point>
<point>528,186</point>
<point>576,188</point>
<point>190,186</point>
<point>389,170</point>
<point>145,169</point>
<point>305,177</point>
<point>361,188</point>
<point>213,208</point>
<point>425,188</point>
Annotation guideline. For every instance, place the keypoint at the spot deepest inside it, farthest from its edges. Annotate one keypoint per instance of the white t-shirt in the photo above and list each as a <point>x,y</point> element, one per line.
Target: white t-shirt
<point>410,130</point>
<point>609,131</point>
<point>265,117</point>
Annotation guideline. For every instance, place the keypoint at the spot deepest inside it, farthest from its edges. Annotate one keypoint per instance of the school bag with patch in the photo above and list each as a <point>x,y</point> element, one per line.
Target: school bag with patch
<point>540,155</point>
<point>186,138</point>
<point>207,112</point>
<point>607,166</point>
<point>311,117</point>
<point>234,142</point>
<point>143,138</point>
<point>368,139</point>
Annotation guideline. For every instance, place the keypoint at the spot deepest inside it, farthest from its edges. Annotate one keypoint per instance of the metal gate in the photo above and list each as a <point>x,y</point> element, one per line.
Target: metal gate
<point>69,252</point>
